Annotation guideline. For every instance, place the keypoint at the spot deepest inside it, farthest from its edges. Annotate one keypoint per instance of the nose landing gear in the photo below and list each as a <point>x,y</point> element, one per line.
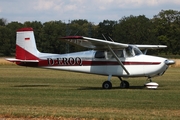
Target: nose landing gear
<point>150,84</point>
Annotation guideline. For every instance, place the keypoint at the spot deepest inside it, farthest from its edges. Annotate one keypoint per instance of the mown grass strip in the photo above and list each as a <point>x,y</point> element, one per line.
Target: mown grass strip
<point>40,93</point>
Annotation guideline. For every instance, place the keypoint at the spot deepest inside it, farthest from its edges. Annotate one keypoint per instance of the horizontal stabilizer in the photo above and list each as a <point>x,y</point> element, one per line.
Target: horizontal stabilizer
<point>19,60</point>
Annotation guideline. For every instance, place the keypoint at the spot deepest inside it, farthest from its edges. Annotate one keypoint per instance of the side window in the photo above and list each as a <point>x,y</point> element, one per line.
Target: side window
<point>99,54</point>
<point>119,53</point>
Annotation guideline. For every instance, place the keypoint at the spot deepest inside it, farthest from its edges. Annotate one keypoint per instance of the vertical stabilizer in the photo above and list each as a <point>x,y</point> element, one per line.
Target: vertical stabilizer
<point>25,44</point>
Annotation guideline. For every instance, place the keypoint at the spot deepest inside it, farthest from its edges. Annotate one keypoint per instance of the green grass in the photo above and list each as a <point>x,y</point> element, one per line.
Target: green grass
<point>31,92</point>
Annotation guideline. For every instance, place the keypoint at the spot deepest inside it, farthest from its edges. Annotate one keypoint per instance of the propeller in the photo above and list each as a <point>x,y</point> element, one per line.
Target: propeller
<point>169,62</point>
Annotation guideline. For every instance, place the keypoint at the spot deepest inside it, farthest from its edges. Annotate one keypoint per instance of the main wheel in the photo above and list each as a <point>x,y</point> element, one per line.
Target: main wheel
<point>107,85</point>
<point>124,84</point>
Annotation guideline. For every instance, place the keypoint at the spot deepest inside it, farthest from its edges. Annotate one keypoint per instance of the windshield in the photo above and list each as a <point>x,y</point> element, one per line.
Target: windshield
<point>137,51</point>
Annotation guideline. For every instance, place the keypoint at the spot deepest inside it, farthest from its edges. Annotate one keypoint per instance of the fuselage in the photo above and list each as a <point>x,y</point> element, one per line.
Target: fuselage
<point>99,62</point>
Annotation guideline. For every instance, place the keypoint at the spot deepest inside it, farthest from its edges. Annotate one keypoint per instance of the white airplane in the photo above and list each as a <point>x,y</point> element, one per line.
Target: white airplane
<point>107,58</point>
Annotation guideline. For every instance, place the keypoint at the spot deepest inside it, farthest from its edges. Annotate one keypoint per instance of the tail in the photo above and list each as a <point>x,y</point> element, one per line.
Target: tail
<point>25,44</point>
<point>26,50</point>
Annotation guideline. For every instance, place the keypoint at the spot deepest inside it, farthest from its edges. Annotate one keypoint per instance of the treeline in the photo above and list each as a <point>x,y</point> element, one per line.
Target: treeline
<point>163,28</point>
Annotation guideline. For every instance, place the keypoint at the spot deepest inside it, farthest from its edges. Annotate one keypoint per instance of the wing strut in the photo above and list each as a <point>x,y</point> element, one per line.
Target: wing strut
<point>114,54</point>
<point>119,61</point>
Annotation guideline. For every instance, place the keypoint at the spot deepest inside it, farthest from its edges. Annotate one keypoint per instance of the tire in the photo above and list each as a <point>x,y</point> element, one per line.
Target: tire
<point>107,85</point>
<point>124,84</point>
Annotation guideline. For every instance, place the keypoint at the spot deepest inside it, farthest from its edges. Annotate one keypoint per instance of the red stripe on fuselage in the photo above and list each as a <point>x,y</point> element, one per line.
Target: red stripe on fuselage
<point>92,63</point>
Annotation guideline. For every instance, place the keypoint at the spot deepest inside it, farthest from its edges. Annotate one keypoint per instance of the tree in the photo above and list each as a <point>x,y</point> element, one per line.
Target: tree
<point>13,26</point>
<point>134,30</point>
<point>5,48</point>
<point>51,33</point>
<point>106,28</point>
<point>168,29</point>
<point>3,22</point>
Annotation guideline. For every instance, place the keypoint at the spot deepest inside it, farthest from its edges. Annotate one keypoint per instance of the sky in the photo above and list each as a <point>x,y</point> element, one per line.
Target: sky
<point>94,11</point>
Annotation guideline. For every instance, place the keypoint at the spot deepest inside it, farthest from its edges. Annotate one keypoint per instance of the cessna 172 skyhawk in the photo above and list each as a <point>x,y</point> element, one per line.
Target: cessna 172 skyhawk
<point>106,58</point>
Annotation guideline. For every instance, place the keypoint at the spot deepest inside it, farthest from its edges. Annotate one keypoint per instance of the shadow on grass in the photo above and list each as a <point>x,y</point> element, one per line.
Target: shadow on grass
<point>32,86</point>
<point>84,88</point>
<point>113,88</point>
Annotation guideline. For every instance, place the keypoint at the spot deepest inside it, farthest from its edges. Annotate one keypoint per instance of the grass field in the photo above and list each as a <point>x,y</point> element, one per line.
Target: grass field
<point>40,93</point>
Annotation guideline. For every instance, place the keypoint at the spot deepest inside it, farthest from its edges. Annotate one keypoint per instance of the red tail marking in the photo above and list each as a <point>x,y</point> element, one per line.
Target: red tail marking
<point>24,55</point>
<point>27,38</point>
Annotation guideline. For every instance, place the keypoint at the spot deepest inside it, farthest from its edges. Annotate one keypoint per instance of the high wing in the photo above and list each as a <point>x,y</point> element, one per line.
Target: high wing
<point>93,43</point>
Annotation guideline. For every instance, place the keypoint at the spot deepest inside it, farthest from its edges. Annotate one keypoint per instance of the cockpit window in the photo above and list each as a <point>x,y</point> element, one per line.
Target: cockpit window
<point>119,54</point>
<point>108,54</point>
<point>99,54</point>
<point>132,51</point>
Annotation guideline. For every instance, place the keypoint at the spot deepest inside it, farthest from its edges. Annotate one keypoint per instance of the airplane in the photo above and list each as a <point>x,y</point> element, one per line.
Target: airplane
<point>107,58</point>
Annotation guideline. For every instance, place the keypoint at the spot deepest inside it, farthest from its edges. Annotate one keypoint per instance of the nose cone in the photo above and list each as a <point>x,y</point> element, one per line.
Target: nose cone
<point>169,62</point>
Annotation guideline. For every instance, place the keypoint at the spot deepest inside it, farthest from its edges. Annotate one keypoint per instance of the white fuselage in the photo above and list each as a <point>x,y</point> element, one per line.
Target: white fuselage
<point>137,66</point>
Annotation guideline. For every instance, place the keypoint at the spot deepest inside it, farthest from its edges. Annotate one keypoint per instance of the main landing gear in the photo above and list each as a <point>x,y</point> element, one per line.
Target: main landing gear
<point>108,85</point>
<point>123,84</point>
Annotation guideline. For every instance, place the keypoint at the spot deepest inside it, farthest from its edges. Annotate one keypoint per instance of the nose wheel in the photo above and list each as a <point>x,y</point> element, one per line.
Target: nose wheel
<point>150,84</point>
